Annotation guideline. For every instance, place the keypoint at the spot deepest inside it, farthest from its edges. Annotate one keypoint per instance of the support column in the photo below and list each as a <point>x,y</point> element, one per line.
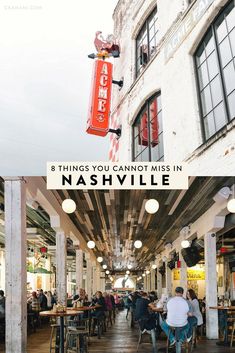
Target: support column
<point>88,276</point>
<point>211,286</point>
<point>16,275</point>
<point>183,274</point>
<point>61,267</point>
<point>153,281</point>
<point>94,277</point>
<point>159,284</point>
<point>168,281</point>
<point>145,283</point>
<point>102,284</point>
<point>79,269</point>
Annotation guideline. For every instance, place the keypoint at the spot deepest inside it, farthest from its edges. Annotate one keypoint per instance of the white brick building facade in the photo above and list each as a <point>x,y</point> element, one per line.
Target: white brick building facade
<point>171,72</point>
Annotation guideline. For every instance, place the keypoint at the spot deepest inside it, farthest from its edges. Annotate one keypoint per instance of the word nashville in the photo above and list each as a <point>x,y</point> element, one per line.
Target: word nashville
<point>114,179</point>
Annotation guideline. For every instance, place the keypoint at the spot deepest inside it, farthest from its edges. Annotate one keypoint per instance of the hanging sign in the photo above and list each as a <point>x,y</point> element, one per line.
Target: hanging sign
<point>192,275</point>
<point>100,101</point>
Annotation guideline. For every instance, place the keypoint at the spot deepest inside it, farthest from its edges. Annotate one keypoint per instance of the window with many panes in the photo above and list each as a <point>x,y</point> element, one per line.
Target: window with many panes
<point>215,65</point>
<point>148,132</point>
<point>146,41</point>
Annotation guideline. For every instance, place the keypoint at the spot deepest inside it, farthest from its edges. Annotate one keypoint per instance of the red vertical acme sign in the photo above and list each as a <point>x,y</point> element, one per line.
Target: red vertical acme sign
<point>100,101</point>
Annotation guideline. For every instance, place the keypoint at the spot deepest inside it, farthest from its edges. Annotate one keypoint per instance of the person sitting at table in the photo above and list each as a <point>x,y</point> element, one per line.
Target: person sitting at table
<point>146,319</point>
<point>178,311</point>
<point>196,319</point>
<point>99,306</point>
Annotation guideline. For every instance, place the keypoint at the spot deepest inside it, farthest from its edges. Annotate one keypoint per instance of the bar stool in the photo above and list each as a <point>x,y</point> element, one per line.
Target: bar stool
<point>77,339</point>
<point>54,338</point>
<point>232,334</point>
<point>153,338</point>
<point>176,332</point>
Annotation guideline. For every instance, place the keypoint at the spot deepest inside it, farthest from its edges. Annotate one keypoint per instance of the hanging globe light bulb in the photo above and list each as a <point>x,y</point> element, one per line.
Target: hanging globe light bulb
<point>69,206</point>
<point>152,206</point>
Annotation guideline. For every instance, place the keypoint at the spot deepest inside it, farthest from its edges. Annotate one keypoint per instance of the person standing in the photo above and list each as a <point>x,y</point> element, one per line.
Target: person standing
<point>49,300</point>
<point>42,300</point>
<point>2,304</point>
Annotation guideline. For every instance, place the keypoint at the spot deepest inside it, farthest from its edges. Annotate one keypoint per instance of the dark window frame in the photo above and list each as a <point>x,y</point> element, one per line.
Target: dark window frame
<point>213,29</point>
<point>146,108</point>
<point>145,27</point>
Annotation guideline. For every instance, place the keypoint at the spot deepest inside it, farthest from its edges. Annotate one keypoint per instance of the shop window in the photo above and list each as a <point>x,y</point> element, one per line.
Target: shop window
<point>148,132</point>
<point>146,41</point>
<point>215,65</point>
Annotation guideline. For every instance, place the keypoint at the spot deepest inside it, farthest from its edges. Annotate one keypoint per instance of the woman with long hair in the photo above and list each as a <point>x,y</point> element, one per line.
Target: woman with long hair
<point>196,319</point>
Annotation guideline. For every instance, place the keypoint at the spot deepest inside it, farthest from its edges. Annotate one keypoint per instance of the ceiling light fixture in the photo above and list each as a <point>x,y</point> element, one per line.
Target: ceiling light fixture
<point>69,206</point>
<point>91,244</point>
<point>104,267</point>
<point>154,267</point>
<point>152,206</point>
<point>129,267</point>
<point>138,244</point>
<point>185,244</point>
<point>147,272</point>
<point>100,259</point>
<point>127,272</point>
<point>231,206</point>
<point>107,272</point>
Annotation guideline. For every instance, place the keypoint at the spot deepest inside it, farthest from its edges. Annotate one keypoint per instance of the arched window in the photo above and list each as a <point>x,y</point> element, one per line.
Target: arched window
<point>146,41</point>
<point>215,65</point>
<point>123,282</point>
<point>148,132</point>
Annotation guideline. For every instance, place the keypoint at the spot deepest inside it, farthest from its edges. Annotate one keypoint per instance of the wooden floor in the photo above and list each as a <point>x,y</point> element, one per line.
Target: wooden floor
<point>118,339</point>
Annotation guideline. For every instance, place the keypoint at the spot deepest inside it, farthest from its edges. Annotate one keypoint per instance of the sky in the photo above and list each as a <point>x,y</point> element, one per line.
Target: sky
<point>45,79</point>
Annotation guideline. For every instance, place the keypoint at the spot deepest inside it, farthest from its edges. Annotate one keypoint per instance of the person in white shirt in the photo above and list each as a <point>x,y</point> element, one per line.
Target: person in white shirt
<point>178,311</point>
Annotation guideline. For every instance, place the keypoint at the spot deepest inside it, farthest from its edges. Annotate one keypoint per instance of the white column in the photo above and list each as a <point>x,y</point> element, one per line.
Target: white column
<point>168,281</point>
<point>88,275</point>
<point>145,283</point>
<point>159,284</point>
<point>16,275</point>
<point>153,284</point>
<point>102,283</point>
<point>183,274</point>
<point>94,279</point>
<point>79,269</point>
<point>98,273</point>
<point>148,282</point>
<point>211,286</point>
<point>61,267</point>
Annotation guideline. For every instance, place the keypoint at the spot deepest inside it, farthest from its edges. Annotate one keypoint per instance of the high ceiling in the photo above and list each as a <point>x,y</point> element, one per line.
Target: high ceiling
<point>114,219</point>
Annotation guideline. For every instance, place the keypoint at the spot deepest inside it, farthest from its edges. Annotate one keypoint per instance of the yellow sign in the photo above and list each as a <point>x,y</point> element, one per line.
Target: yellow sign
<point>192,275</point>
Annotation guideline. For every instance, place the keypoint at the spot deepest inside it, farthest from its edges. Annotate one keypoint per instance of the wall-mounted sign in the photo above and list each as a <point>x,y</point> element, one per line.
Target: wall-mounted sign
<point>186,26</point>
<point>192,275</point>
<point>100,101</point>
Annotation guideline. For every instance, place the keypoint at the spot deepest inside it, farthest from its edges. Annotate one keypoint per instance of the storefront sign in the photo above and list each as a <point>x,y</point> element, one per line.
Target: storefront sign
<point>186,26</point>
<point>99,109</point>
<point>192,275</point>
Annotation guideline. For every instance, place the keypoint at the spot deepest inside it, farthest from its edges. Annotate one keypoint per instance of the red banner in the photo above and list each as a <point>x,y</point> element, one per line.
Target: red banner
<point>100,101</point>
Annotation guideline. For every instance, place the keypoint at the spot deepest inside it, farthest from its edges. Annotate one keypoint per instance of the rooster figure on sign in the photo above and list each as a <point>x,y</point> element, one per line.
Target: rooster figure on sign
<point>109,44</point>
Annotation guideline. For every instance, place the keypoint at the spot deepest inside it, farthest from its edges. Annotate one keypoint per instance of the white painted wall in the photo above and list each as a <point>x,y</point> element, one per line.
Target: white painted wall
<point>176,80</point>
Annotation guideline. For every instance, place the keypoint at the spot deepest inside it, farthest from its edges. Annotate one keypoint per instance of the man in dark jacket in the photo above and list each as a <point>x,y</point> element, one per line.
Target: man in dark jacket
<point>42,300</point>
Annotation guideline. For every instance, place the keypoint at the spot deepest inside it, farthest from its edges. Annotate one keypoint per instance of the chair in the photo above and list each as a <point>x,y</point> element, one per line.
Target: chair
<point>77,338</point>
<point>176,332</point>
<point>232,334</point>
<point>149,332</point>
<point>54,338</point>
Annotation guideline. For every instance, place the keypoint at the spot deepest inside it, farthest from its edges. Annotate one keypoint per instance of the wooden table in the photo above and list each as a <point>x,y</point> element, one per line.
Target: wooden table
<point>61,315</point>
<point>225,309</point>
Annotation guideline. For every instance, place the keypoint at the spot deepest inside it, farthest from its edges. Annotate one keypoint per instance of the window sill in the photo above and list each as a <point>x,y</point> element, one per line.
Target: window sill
<point>212,140</point>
